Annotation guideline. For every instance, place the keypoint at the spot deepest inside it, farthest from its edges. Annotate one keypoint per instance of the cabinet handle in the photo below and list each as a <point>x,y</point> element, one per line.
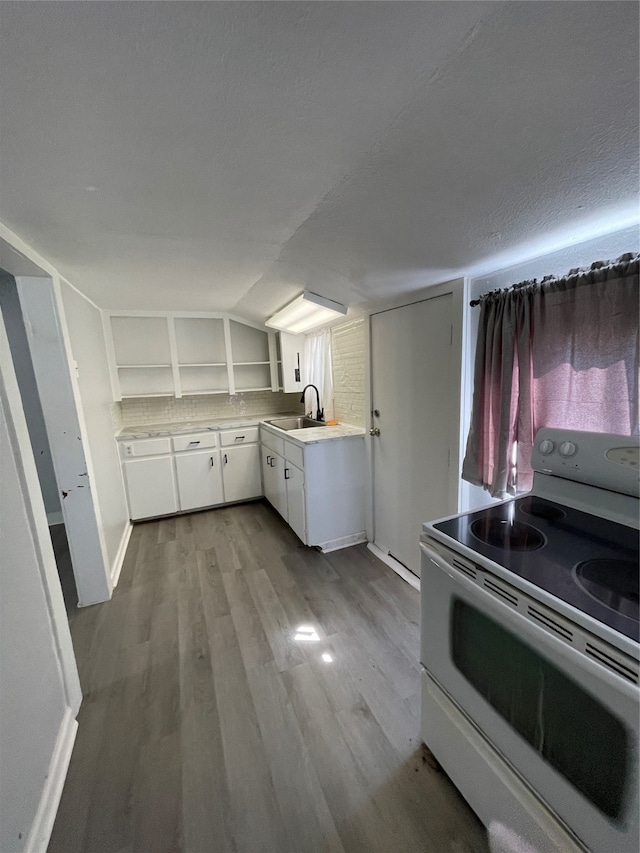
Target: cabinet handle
<point>239,438</point>
<point>286,473</point>
<point>211,461</point>
<point>272,464</point>
<point>269,461</point>
<point>225,458</point>
<point>193,442</point>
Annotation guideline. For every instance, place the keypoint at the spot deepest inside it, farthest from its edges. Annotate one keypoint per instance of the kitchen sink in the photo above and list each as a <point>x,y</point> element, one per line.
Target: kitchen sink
<point>288,424</point>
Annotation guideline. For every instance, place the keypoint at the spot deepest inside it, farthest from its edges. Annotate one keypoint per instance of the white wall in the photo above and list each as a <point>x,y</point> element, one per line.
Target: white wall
<point>84,325</point>
<point>38,679</point>
<point>557,263</point>
<point>10,304</point>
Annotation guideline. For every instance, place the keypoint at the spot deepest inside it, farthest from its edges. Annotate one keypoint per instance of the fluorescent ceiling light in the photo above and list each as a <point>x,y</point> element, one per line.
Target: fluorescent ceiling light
<point>306,312</point>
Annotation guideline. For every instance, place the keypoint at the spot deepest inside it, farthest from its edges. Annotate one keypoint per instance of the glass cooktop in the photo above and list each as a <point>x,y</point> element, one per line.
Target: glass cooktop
<point>587,561</point>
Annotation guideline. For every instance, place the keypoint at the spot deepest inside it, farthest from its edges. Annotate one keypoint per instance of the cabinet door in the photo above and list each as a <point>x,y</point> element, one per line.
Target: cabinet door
<point>294,482</point>
<point>292,349</point>
<point>199,479</point>
<point>274,485</point>
<point>241,472</point>
<point>151,486</point>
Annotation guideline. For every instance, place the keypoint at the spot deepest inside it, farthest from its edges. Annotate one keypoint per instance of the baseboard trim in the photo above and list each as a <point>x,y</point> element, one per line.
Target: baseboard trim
<point>116,568</point>
<point>52,791</point>
<point>342,542</point>
<point>55,518</point>
<point>397,567</point>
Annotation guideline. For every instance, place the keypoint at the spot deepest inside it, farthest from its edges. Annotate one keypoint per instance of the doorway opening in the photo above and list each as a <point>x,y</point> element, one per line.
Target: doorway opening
<point>25,375</point>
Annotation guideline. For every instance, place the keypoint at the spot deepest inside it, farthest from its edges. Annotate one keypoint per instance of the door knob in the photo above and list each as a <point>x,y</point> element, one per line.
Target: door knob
<point>374,431</point>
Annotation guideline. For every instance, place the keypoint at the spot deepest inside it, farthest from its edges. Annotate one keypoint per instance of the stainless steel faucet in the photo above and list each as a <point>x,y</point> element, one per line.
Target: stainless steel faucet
<point>319,412</point>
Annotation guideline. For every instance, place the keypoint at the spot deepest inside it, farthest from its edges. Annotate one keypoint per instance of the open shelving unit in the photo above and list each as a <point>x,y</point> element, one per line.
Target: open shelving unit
<point>175,354</point>
<point>142,353</point>
<point>201,355</point>
<point>251,361</point>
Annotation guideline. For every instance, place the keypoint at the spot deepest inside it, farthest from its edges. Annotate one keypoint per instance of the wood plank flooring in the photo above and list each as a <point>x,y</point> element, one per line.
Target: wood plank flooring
<point>206,727</point>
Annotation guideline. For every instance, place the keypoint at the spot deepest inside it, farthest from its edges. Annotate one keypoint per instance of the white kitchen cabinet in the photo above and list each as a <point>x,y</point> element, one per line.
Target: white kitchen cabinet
<point>199,478</point>
<point>275,487</point>
<point>294,481</point>
<point>151,486</point>
<point>319,489</point>
<point>292,355</point>
<point>207,468</point>
<point>284,489</point>
<point>241,472</point>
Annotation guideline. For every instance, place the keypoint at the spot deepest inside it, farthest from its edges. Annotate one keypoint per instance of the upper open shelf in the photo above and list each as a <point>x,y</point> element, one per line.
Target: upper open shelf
<point>175,354</point>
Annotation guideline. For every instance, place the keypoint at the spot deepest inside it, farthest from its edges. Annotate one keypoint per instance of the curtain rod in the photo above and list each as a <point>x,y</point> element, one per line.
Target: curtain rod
<point>548,279</point>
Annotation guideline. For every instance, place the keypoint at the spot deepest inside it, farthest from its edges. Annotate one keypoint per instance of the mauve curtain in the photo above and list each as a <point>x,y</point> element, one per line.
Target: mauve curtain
<point>559,353</point>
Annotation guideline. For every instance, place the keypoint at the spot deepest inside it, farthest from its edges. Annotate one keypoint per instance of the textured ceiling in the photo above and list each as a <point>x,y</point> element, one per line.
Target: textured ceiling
<point>222,156</point>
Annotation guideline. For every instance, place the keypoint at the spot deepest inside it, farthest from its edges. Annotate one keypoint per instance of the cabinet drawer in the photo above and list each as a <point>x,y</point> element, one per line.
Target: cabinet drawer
<point>195,442</point>
<point>273,442</point>
<point>144,447</point>
<point>294,454</point>
<point>235,437</point>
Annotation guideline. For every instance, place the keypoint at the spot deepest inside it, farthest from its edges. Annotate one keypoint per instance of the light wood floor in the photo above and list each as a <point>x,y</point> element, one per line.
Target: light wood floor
<point>207,727</point>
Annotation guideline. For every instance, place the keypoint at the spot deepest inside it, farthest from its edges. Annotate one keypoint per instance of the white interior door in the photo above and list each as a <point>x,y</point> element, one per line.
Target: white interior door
<point>414,400</point>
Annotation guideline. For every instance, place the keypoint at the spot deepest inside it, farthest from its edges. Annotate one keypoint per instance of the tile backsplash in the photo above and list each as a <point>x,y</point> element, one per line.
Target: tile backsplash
<point>149,410</point>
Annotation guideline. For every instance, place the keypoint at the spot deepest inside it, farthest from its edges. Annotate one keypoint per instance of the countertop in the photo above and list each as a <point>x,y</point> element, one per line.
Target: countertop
<point>300,436</point>
<point>179,427</point>
<point>314,435</point>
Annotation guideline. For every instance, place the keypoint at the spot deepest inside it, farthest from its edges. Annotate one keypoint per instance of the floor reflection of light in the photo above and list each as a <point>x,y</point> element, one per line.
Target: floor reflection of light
<point>326,657</point>
<point>306,634</point>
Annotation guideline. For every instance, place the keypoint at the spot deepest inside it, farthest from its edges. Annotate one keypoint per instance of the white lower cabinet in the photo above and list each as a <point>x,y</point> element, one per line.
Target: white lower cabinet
<point>199,478</point>
<point>294,481</point>
<point>241,472</point>
<point>318,489</point>
<point>151,486</point>
<point>275,489</point>
<point>205,469</point>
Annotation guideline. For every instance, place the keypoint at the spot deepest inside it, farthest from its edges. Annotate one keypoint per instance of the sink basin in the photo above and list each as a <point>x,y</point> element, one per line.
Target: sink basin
<point>296,423</point>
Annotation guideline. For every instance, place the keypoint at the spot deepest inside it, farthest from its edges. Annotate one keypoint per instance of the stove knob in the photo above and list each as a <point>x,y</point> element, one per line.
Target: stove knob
<point>567,448</point>
<point>547,446</point>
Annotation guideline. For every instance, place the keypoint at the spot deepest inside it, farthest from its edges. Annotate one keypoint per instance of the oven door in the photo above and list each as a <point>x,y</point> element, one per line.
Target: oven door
<point>566,725</point>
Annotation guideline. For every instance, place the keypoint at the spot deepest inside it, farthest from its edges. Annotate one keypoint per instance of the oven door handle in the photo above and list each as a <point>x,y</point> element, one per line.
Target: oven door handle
<point>517,620</point>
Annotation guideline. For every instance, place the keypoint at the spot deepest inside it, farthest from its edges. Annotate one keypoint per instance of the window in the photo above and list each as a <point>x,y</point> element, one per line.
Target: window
<point>560,353</point>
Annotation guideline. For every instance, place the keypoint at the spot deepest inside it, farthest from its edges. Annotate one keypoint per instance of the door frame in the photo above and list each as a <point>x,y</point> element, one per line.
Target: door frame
<point>39,292</point>
<point>459,291</point>
<point>30,497</point>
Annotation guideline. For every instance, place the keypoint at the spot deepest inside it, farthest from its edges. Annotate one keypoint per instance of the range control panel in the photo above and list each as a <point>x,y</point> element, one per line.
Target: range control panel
<point>599,459</point>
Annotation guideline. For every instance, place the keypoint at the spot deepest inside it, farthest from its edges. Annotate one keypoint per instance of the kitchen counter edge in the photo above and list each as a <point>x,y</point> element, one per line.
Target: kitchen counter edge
<point>299,436</point>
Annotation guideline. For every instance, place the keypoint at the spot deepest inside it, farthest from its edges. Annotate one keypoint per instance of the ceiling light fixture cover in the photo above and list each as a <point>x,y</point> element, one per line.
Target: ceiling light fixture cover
<point>306,312</point>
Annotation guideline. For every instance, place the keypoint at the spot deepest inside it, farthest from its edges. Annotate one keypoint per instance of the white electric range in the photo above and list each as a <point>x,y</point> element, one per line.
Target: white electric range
<point>529,647</point>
